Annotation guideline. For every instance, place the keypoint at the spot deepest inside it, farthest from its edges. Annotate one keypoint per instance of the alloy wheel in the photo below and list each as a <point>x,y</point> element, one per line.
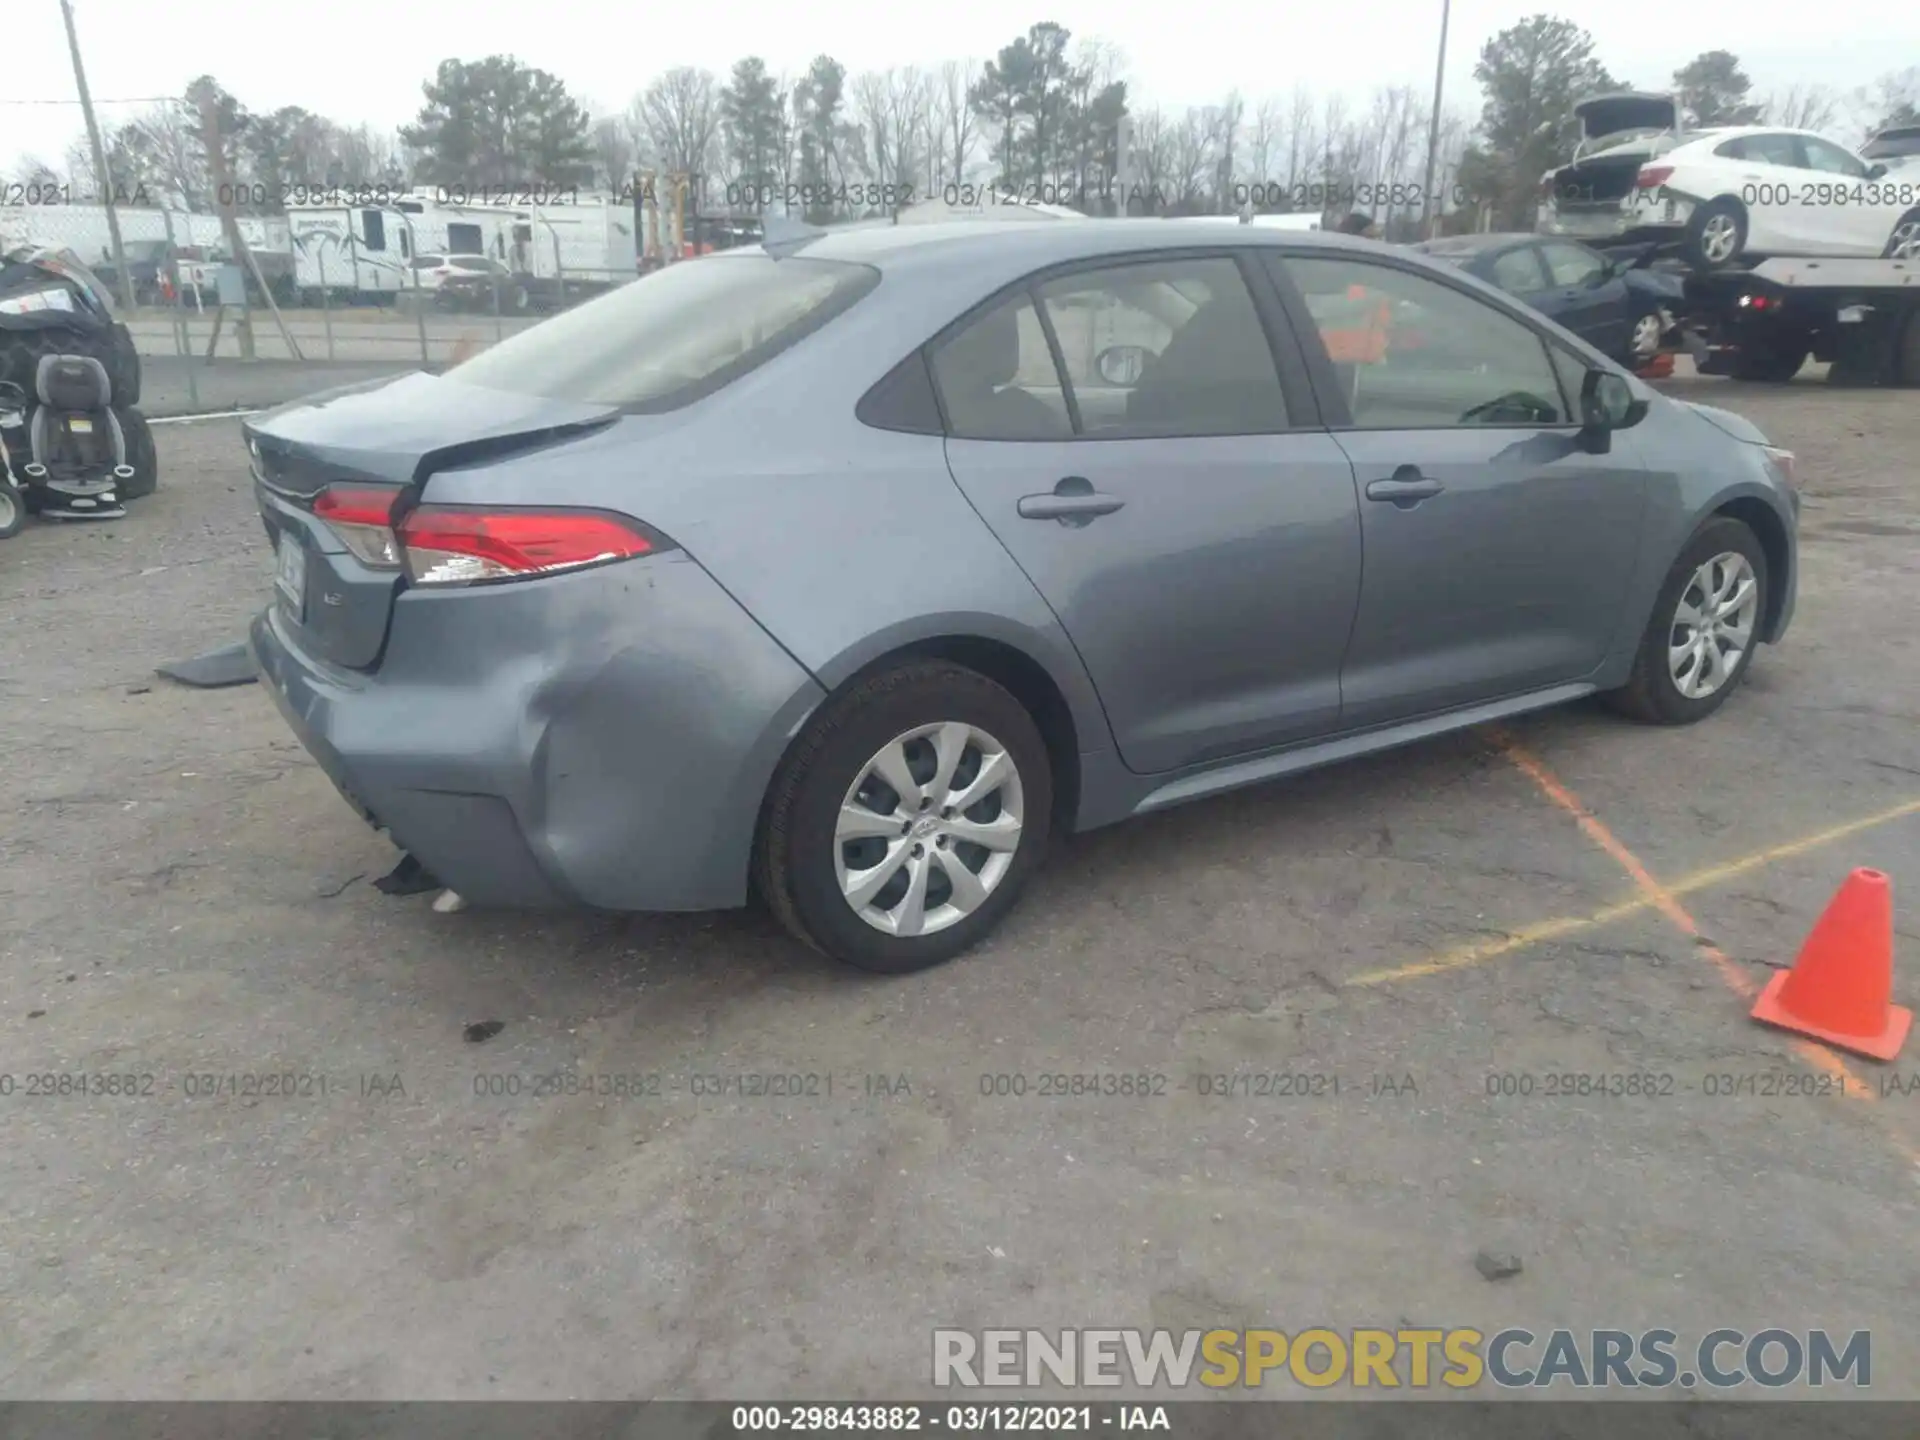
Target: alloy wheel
<point>1719,238</point>
<point>1712,625</point>
<point>1905,242</point>
<point>1646,337</point>
<point>928,829</point>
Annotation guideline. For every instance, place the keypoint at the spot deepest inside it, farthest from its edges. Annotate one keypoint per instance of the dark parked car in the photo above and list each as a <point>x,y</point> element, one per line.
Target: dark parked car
<point>1620,308</point>
<point>850,568</point>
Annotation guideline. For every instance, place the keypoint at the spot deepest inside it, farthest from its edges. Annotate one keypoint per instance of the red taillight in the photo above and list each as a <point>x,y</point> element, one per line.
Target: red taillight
<point>449,546</point>
<point>1652,177</point>
<point>362,516</point>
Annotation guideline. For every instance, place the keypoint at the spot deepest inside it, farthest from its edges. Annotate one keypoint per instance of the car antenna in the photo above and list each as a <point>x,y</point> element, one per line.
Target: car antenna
<point>783,235</point>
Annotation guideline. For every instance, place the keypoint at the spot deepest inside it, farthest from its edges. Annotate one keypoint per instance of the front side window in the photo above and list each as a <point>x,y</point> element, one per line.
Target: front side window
<point>1412,353</point>
<point>1830,159</point>
<point>1165,347</point>
<point>675,335</point>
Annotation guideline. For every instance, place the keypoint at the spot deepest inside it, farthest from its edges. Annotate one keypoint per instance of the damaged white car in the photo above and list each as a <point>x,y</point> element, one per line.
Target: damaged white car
<point>1727,195</point>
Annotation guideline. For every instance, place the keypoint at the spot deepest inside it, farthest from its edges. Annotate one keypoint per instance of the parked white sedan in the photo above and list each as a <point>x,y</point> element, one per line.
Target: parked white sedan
<point>1742,193</point>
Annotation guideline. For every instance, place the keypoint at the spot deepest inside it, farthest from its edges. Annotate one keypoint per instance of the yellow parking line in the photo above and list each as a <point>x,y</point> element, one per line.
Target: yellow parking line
<point>1464,956</point>
<point>1816,1056</point>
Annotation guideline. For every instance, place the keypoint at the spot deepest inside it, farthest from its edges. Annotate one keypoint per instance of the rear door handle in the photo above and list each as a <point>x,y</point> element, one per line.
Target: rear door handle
<point>1407,487</point>
<point>1074,501</point>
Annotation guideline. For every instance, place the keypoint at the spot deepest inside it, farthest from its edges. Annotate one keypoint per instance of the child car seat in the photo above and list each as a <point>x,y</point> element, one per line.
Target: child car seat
<point>79,450</point>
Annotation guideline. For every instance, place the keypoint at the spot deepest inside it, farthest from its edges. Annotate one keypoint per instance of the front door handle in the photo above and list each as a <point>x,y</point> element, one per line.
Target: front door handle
<point>1407,487</point>
<point>1074,501</point>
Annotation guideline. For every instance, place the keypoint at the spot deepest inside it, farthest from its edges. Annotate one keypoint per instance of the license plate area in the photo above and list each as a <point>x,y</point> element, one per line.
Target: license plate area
<point>290,573</point>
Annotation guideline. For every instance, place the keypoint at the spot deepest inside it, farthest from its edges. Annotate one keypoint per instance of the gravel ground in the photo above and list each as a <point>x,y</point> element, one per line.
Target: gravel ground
<point>185,896</point>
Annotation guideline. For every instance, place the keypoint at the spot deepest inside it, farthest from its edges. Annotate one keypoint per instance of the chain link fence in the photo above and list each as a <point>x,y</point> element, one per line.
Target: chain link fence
<point>326,296</point>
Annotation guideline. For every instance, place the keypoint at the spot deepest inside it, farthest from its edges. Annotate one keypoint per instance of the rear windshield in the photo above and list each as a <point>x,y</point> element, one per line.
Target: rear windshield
<point>669,338</point>
<point>1895,144</point>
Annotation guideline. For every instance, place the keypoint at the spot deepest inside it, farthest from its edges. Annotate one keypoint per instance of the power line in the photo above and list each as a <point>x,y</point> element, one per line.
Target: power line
<point>129,100</point>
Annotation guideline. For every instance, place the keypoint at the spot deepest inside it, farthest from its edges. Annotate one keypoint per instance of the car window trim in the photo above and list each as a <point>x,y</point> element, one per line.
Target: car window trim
<point>1304,414</point>
<point>1334,407</point>
<point>1057,354</point>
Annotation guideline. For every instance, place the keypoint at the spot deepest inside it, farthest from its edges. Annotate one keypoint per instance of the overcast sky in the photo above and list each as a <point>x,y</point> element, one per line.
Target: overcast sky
<point>364,60</point>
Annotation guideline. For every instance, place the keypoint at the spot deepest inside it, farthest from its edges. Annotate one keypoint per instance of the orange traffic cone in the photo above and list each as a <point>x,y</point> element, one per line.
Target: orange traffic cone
<point>1840,990</point>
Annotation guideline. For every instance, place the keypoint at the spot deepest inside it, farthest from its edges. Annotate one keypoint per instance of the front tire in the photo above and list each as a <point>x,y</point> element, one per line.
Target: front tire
<point>904,823</point>
<point>1775,363</point>
<point>1716,235</point>
<point>1643,339</point>
<point>1705,625</point>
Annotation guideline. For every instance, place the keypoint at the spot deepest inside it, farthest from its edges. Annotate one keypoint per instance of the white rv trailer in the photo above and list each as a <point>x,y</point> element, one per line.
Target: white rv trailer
<point>367,251</point>
<point>589,243</point>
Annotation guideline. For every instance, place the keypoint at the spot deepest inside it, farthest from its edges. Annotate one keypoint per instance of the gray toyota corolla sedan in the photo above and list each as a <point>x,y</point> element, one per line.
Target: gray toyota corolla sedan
<point>849,571</point>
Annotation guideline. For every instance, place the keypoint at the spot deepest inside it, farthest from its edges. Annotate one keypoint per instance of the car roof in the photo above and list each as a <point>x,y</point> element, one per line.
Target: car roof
<point>1477,242</point>
<point>962,242</point>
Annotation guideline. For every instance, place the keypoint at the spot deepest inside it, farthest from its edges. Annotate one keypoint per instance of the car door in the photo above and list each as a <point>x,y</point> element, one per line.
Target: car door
<point>1766,178</point>
<point>1844,215</point>
<point>1126,431</point>
<point>1592,298</point>
<point>1498,549</point>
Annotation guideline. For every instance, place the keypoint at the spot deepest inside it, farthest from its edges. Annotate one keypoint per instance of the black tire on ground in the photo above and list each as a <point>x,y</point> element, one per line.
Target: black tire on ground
<point>13,509</point>
<point>794,856</point>
<point>141,455</point>
<point>1773,363</point>
<point>124,370</point>
<point>1691,243</point>
<point>1650,695</point>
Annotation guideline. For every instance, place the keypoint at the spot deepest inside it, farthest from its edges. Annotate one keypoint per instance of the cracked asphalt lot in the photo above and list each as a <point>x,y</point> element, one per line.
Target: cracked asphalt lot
<point>185,898</point>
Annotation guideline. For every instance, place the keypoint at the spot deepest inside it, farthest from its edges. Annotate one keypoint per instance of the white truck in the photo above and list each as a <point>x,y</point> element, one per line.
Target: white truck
<point>576,248</point>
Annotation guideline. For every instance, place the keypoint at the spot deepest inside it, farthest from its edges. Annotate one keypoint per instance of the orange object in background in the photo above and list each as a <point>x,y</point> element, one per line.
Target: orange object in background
<point>1840,990</point>
<point>1366,345</point>
<point>1658,368</point>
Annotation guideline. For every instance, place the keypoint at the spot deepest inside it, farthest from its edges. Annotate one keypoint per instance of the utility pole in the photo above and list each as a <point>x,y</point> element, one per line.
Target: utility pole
<point>1434,207</point>
<point>105,181</point>
<point>223,197</point>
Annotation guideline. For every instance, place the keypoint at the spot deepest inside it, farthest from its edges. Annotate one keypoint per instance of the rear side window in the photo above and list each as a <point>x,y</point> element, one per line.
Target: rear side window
<point>997,379</point>
<point>672,337</point>
<point>1518,272</point>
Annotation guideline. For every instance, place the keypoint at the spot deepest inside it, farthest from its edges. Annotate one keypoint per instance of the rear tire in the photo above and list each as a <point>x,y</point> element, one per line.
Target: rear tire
<point>1775,363</point>
<point>141,455</point>
<point>1716,235</point>
<point>806,859</point>
<point>1654,693</point>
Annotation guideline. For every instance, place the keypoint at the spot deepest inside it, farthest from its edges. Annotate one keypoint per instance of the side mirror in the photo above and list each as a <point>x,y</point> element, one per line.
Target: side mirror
<point>1606,405</point>
<point>1876,171</point>
<point>1121,365</point>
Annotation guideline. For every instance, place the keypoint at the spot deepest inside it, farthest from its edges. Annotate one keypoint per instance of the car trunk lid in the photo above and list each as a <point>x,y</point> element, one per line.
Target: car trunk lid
<point>374,444</point>
<point>1626,113</point>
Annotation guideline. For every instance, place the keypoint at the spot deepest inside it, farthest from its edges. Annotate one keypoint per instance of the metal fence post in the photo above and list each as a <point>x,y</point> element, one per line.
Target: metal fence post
<point>326,306</point>
<point>413,271</point>
<point>177,312</point>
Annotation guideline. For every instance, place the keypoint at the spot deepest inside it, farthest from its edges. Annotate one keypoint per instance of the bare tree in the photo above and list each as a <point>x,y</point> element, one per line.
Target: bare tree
<point>1810,107</point>
<point>612,151</point>
<point>681,113</point>
<point>956,116</point>
<point>1263,139</point>
<point>1303,143</point>
<point>1224,143</point>
<point>1191,157</point>
<point>1153,163</point>
<point>891,109</point>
